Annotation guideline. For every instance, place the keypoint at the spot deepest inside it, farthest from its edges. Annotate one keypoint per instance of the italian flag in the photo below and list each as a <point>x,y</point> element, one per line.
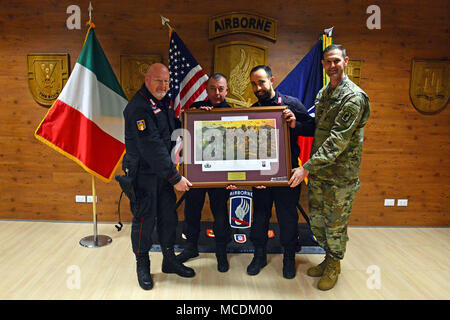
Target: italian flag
<point>86,123</point>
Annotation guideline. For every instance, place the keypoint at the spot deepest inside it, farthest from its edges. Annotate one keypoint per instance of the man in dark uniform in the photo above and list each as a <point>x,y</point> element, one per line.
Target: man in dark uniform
<point>149,122</point>
<point>217,90</point>
<point>285,198</point>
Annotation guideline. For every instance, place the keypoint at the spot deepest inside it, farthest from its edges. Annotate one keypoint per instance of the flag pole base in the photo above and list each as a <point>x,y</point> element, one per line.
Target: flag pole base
<point>95,241</point>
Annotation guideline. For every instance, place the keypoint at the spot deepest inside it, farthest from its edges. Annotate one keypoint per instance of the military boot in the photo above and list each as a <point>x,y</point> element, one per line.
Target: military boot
<point>289,270</point>
<point>330,274</point>
<point>222,261</point>
<point>259,261</point>
<point>190,251</point>
<point>170,264</point>
<point>317,271</point>
<point>143,272</point>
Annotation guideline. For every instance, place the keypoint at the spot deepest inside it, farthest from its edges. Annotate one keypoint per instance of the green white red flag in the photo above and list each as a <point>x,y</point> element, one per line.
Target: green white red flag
<point>86,121</point>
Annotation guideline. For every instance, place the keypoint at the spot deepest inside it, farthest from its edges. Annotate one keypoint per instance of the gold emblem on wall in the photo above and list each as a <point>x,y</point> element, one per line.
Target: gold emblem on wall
<point>353,70</point>
<point>47,76</point>
<point>430,85</point>
<point>132,71</point>
<point>235,60</point>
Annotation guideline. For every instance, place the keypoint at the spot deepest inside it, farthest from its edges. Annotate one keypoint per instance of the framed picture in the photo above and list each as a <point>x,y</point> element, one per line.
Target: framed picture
<point>236,146</point>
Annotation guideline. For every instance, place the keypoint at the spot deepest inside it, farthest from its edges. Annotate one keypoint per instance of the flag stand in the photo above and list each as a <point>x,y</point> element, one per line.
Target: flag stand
<point>95,240</point>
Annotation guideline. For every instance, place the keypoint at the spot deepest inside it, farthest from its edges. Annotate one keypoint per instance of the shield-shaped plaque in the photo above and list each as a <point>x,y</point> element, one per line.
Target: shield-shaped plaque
<point>132,71</point>
<point>47,76</point>
<point>235,60</point>
<point>430,85</point>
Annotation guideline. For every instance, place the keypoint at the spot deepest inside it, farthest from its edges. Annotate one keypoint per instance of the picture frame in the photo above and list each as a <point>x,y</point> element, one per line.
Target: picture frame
<point>236,146</point>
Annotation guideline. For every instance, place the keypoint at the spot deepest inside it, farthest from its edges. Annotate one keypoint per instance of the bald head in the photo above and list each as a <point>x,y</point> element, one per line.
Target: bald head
<point>157,80</point>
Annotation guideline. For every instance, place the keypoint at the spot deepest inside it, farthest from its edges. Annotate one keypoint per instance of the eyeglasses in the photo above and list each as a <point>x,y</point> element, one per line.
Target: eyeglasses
<point>162,81</point>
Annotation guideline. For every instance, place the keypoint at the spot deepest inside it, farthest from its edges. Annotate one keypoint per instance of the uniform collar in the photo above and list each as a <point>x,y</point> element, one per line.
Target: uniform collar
<point>276,100</point>
<point>152,100</point>
<point>335,92</point>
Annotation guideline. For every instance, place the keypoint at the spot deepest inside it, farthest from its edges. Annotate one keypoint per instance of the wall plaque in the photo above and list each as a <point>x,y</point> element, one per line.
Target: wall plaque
<point>236,22</point>
<point>132,71</point>
<point>430,85</point>
<point>353,70</point>
<point>47,76</point>
<point>235,59</point>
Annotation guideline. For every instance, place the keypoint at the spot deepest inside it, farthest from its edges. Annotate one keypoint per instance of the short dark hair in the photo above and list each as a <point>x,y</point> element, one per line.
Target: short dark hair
<point>265,68</point>
<point>336,47</point>
<point>217,76</point>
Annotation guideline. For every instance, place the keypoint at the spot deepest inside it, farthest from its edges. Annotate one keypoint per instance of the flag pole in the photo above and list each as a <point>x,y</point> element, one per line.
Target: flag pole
<point>95,240</point>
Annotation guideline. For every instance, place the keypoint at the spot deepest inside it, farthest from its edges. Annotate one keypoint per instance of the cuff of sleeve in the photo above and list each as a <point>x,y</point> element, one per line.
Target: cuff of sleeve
<point>175,179</point>
<point>307,166</point>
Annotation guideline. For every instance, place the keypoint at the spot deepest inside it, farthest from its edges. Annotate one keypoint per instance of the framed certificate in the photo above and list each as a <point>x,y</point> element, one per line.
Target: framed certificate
<point>238,146</point>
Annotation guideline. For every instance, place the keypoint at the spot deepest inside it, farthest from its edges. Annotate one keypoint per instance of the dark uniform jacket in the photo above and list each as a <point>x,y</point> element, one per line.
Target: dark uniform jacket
<point>208,103</point>
<point>149,124</point>
<point>304,122</point>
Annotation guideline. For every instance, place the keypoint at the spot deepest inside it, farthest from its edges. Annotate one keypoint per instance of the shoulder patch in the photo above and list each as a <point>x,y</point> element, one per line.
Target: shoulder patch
<point>347,115</point>
<point>141,125</point>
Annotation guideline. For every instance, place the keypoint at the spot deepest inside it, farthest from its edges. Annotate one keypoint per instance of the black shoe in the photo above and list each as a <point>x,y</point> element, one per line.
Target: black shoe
<point>170,264</point>
<point>222,263</point>
<point>190,251</point>
<point>259,261</point>
<point>143,272</point>
<point>289,270</point>
<point>222,260</point>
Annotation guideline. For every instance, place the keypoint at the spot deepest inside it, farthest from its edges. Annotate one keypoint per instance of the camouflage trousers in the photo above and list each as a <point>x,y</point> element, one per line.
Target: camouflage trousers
<point>329,211</point>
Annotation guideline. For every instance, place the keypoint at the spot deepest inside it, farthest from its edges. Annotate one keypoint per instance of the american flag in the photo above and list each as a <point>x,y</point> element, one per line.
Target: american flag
<point>188,80</point>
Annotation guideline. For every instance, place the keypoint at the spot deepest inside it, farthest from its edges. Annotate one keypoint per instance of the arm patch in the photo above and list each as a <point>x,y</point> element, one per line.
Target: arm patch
<point>347,116</point>
<point>141,125</point>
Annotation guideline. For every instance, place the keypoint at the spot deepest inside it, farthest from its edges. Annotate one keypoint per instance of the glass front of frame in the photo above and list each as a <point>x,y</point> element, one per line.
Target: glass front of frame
<point>245,146</point>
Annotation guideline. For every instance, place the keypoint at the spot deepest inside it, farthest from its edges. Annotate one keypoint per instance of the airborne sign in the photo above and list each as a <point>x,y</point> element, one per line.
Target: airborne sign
<point>242,22</point>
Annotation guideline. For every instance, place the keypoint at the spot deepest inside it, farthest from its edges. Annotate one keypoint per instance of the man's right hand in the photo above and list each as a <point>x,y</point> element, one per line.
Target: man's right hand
<point>183,185</point>
<point>205,108</point>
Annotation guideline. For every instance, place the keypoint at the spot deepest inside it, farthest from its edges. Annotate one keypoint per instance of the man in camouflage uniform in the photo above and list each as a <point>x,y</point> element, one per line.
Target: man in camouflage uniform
<point>341,111</point>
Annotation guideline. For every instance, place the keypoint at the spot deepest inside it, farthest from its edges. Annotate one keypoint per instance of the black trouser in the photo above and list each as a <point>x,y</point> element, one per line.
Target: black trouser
<point>286,200</point>
<point>193,206</point>
<point>156,204</point>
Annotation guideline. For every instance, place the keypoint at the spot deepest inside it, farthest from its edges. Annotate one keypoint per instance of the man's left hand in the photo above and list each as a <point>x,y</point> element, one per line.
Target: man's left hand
<point>290,117</point>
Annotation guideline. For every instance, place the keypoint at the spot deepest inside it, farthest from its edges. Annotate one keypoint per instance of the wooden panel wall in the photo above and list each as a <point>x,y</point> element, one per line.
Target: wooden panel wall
<point>406,154</point>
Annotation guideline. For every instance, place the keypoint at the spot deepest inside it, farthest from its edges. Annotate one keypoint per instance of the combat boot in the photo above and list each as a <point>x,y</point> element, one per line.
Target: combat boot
<point>259,261</point>
<point>317,271</point>
<point>289,270</point>
<point>143,272</point>
<point>222,261</point>
<point>330,274</point>
<point>190,251</point>
<point>170,264</point>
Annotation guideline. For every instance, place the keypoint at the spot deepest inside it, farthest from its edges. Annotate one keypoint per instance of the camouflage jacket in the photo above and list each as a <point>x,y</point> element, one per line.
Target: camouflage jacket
<point>340,116</point>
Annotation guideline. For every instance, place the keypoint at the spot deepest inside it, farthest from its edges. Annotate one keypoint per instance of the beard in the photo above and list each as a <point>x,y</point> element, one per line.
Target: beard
<point>262,95</point>
<point>160,94</point>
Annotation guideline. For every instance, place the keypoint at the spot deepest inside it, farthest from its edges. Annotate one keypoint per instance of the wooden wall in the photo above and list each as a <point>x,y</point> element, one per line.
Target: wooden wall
<point>406,154</point>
